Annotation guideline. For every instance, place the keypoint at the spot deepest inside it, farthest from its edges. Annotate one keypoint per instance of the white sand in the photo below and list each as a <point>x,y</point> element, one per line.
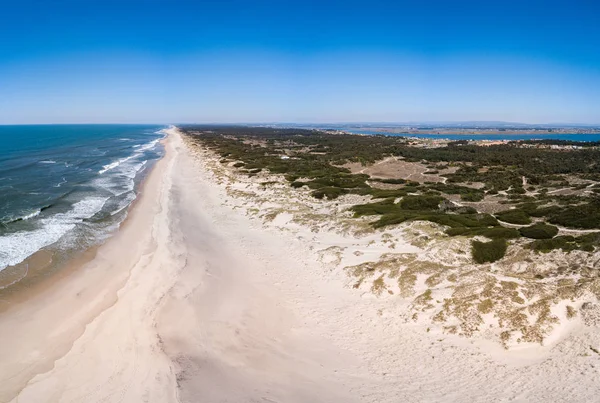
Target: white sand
<point>192,301</point>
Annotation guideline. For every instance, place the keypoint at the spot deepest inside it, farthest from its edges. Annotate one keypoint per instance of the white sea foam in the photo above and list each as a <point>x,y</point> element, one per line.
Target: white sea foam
<point>132,171</point>
<point>121,179</point>
<point>115,164</point>
<point>17,246</point>
<point>147,146</point>
<point>131,196</point>
<point>23,217</point>
<point>61,183</point>
<point>48,162</point>
<point>31,215</point>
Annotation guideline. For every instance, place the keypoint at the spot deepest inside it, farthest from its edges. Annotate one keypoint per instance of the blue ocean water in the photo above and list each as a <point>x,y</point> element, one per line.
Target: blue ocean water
<point>549,136</point>
<point>68,186</point>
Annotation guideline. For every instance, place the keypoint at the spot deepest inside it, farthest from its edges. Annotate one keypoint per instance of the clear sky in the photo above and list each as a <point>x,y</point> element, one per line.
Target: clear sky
<point>299,61</point>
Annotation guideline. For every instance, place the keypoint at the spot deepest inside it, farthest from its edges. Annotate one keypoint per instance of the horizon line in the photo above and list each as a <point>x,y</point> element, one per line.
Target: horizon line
<point>391,123</point>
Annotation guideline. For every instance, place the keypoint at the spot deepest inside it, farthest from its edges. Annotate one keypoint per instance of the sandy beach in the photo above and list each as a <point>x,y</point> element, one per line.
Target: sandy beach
<point>193,300</point>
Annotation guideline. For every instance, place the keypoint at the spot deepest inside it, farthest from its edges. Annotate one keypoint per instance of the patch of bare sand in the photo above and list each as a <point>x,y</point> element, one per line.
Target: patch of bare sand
<point>397,168</point>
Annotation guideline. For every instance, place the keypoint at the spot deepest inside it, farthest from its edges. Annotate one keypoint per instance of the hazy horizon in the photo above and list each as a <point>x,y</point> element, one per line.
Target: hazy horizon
<point>303,62</point>
<point>329,123</point>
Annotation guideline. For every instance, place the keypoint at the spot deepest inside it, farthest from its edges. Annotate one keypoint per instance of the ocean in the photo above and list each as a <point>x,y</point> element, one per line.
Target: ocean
<point>65,188</point>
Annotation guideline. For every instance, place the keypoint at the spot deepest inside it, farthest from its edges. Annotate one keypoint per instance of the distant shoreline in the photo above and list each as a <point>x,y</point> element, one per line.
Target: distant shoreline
<point>491,135</point>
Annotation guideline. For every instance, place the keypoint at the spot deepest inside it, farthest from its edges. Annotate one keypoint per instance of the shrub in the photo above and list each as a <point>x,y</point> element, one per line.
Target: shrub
<point>518,190</point>
<point>466,193</point>
<point>238,165</point>
<point>385,193</point>
<point>488,252</point>
<point>329,192</point>
<point>567,244</point>
<point>475,220</point>
<point>386,206</point>
<point>392,219</point>
<point>450,220</point>
<point>544,211</point>
<point>539,231</point>
<point>421,202</point>
<point>297,184</point>
<point>515,216</point>
<point>390,181</point>
<point>472,197</point>
<point>585,216</point>
<point>465,210</point>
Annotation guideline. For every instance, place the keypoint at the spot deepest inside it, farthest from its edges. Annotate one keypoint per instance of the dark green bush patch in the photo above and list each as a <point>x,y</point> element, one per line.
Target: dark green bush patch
<point>567,243</point>
<point>488,252</point>
<point>421,202</point>
<point>328,192</point>
<point>515,216</point>
<point>539,231</point>
<point>386,206</point>
<point>586,216</point>
<point>450,220</point>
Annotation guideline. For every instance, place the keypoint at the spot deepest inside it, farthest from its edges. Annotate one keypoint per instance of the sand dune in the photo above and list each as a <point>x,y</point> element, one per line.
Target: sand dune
<point>192,301</point>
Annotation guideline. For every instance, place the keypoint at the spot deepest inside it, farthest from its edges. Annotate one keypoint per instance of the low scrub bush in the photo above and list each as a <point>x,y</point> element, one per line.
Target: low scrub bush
<point>539,231</point>
<point>386,206</point>
<point>567,243</point>
<point>390,181</point>
<point>328,192</point>
<point>472,197</point>
<point>450,220</point>
<point>488,252</point>
<point>421,202</point>
<point>585,216</point>
<point>515,216</point>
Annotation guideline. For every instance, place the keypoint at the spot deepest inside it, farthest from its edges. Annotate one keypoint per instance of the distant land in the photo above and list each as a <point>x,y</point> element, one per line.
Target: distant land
<point>455,128</point>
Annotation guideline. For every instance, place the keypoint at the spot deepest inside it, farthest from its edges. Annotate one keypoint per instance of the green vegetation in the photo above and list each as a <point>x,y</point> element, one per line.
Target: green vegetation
<point>420,202</point>
<point>313,161</point>
<point>466,193</point>
<point>539,231</point>
<point>515,216</point>
<point>488,252</point>
<point>329,192</point>
<point>586,216</point>
<point>451,220</point>
<point>588,243</point>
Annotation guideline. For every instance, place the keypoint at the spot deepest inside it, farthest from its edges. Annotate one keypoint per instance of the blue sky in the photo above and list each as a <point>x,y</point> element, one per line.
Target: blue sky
<point>299,61</point>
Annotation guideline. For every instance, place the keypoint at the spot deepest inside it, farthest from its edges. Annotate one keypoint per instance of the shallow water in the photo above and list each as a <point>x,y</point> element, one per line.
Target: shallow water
<point>66,187</point>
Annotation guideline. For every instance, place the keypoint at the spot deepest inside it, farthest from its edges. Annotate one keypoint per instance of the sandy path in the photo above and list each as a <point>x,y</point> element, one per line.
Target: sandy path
<point>194,302</point>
